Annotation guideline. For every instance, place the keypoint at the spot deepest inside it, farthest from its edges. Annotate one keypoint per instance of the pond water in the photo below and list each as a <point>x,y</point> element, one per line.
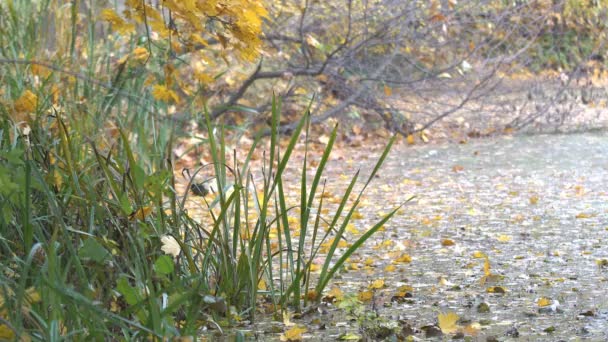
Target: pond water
<point>536,206</point>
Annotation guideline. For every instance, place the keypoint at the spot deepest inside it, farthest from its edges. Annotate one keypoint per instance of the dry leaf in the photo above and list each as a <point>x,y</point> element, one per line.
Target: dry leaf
<point>447,322</point>
<point>447,242</point>
<point>496,289</point>
<point>543,301</point>
<point>377,284</point>
<point>293,334</point>
<point>504,238</point>
<point>457,168</point>
<point>410,139</point>
<point>140,214</point>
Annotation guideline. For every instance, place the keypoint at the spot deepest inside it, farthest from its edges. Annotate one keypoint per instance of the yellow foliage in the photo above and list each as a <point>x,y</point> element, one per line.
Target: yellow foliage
<point>118,23</point>
<point>543,301</point>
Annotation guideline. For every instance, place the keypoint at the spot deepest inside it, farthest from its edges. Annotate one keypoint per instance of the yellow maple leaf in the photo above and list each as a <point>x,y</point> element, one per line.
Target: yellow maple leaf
<point>293,334</point>
<point>543,301</point>
<point>447,322</point>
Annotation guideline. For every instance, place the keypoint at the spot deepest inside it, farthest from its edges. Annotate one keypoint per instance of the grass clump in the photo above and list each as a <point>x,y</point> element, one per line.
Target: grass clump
<point>95,241</point>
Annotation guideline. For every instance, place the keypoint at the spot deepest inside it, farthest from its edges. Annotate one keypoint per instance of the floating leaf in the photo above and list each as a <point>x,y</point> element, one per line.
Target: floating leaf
<point>496,289</point>
<point>533,199</point>
<point>447,322</point>
<point>404,258</point>
<point>377,284</point>
<point>478,255</point>
<point>504,238</point>
<point>447,242</point>
<point>365,296</point>
<point>543,301</point>
<point>293,334</point>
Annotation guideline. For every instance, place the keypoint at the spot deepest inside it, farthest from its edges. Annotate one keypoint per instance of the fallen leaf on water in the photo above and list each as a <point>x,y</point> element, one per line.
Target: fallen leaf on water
<point>447,322</point>
<point>583,216</point>
<point>457,168</point>
<point>478,255</point>
<point>504,238</point>
<point>377,284</point>
<point>543,301</point>
<point>447,242</point>
<point>496,289</point>
<point>365,296</point>
<point>293,334</point>
<point>533,199</point>
<point>404,258</point>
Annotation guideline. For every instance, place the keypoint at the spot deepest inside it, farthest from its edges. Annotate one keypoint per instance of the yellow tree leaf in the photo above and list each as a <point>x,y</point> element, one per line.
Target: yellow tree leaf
<point>293,334</point>
<point>543,301</point>
<point>486,267</point>
<point>140,214</point>
<point>478,255</point>
<point>377,284</point>
<point>410,139</point>
<point>388,91</point>
<point>404,258</point>
<point>27,102</point>
<point>162,93</point>
<point>447,322</point>
<point>504,238</point>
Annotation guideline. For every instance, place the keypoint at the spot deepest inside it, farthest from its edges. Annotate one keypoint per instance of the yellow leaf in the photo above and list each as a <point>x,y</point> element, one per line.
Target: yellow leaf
<point>486,267</point>
<point>365,296</point>
<point>27,102</point>
<point>543,301</point>
<point>447,322</point>
<point>140,54</point>
<point>583,216</point>
<point>533,199</point>
<point>377,284</point>
<point>496,289</point>
<point>262,285</point>
<point>447,242</point>
<point>390,268</point>
<point>388,91</point>
<point>410,139</point>
<point>404,258</point>
<point>472,329</point>
<point>118,23</point>
<point>478,255</point>
<point>162,93</point>
<point>140,214</point>
<point>293,334</point>
<point>6,333</point>
<point>336,293</point>
<point>504,238</point>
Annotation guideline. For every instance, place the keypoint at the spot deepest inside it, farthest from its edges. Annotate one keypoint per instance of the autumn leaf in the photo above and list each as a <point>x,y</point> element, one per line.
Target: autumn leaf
<point>533,200</point>
<point>388,91</point>
<point>27,102</point>
<point>377,284</point>
<point>118,23</point>
<point>410,139</point>
<point>478,255</point>
<point>496,289</point>
<point>293,334</point>
<point>504,238</point>
<point>404,258</point>
<point>365,296</point>
<point>447,322</point>
<point>543,301</point>
<point>140,214</point>
<point>447,242</point>
<point>164,94</point>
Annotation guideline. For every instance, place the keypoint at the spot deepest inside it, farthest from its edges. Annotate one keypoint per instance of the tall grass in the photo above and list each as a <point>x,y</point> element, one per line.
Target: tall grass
<point>88,204</point>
